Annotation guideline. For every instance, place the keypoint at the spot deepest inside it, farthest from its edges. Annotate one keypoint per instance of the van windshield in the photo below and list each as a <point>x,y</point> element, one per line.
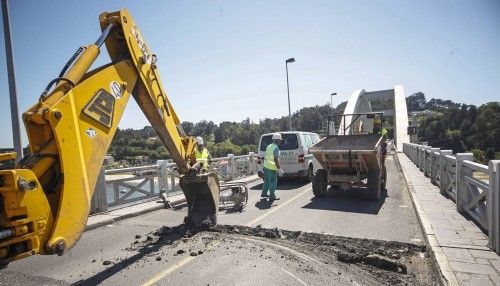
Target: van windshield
<point>289,142</point>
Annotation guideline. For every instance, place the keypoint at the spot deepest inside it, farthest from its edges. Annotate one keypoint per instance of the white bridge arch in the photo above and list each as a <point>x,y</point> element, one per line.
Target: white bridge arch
<point>362,101</point>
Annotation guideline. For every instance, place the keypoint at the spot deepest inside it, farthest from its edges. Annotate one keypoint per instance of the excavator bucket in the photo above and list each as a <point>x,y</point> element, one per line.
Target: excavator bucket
<point>202,196</point>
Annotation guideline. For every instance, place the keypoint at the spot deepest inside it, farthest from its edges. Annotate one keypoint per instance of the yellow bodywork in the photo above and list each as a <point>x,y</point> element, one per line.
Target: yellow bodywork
<point>45,201</point>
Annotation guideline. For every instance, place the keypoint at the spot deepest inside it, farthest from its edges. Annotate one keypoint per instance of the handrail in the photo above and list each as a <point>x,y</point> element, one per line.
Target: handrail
<point>147,182</point>
<point>459,177</point>
<point>130,169</point>
<point>476,166</point>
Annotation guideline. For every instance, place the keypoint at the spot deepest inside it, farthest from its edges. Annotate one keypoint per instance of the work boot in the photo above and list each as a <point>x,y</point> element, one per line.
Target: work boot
<point>274,198</point>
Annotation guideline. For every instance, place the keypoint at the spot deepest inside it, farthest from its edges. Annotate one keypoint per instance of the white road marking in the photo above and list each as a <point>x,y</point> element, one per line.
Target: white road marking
<point>297,278</point>
<point>188,259</point>
<point>173,268</point>
<point>277,208</point>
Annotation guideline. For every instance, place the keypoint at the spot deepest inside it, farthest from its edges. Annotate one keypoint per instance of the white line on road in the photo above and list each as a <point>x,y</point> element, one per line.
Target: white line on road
<point>188,259</point>
<point>173,268</point>
<point>299,254</point>
<point>169,270</point>
<point>278,207</point>
<point>297,278</point>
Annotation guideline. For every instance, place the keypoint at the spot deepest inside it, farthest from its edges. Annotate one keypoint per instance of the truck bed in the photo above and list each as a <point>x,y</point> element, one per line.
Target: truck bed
<point>345,143</point>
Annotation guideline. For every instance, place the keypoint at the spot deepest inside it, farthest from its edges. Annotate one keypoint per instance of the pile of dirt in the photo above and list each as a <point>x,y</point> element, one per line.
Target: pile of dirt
<point>386,262</point>
<point>349,250</point>
<point>398,262</point>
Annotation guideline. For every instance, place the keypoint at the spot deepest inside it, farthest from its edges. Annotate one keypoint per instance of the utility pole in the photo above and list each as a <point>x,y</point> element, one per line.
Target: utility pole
<point>14,110</point>
<point>290,60</point>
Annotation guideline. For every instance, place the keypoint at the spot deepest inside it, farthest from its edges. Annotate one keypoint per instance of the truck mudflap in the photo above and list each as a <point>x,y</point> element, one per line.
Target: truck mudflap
<point>202,194</point>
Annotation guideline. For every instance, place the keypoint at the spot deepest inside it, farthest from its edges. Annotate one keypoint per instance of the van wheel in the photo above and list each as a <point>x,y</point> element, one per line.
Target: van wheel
<point>319,183</point>
<point>310,174</point>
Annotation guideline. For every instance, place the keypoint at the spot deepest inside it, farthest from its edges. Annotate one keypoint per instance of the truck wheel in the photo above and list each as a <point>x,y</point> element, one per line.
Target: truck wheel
<point>319,183</point>
<point>3,265</point>
<point>334,186</point>
<point>374,185</point>
<point>213,219</point>
<point>384,178</point>
<point>310,174</point>
<point>188,220</point>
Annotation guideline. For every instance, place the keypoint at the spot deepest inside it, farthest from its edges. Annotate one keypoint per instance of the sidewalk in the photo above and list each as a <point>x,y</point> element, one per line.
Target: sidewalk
<point>458,245</point>
<point>105,218</point>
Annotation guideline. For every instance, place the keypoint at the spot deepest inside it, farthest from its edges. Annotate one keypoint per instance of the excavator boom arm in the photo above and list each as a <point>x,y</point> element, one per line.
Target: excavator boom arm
<point>45,201</point>
<point>126,38</point>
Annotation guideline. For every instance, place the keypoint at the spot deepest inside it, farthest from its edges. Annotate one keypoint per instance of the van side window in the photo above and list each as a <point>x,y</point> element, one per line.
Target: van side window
<point>307,141</point>
<point>264,142</point>
<point>289,142</point>
<point>315,138</point>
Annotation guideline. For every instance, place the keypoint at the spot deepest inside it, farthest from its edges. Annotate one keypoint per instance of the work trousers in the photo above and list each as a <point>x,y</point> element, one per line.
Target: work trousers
<point>270,182</point>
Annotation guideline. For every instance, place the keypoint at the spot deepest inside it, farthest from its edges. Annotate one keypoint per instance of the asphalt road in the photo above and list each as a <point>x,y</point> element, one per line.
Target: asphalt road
<point>229,262</point>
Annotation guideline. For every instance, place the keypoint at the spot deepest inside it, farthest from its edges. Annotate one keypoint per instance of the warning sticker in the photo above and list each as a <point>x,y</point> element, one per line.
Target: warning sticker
<point>91,133</point>
<point>101,108</point>
<point>116,89</point>
<point>142,45</point>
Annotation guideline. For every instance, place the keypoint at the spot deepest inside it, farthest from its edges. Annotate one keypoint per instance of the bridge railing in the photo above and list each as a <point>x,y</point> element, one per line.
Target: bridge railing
<point>474,187</point>
<point>119,187</point>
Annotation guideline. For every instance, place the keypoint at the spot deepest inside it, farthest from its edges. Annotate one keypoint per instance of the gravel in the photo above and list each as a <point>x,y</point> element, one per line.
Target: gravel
<point>384,262</point>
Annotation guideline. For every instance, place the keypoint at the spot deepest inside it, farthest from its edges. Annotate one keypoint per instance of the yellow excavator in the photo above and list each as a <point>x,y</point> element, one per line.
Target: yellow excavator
<point>45,199</point>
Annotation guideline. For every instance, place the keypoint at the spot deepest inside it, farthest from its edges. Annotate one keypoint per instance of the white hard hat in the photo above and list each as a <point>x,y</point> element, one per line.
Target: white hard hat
<point>276,136</point>
<point>199,140</point>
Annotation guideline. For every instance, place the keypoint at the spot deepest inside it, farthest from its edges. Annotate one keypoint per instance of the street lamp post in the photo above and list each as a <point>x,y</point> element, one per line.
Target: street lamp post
<point>331,124</point>
<point>14,111</point>
<point>290,60</point>
<point>331,101</point>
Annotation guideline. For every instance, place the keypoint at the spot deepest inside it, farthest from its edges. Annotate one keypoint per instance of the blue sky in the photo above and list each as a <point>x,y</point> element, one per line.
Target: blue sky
<point>225,60</point>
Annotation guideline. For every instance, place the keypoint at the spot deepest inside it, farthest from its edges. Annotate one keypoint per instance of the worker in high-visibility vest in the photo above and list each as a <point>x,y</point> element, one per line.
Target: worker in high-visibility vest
<point>378,129</point>
<point>202,155</point>
<point>271,167</point>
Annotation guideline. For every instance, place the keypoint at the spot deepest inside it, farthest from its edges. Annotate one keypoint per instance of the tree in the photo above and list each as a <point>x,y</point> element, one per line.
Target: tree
<point>187,127</point>
<point>444,124</point>
<point>416,102</point>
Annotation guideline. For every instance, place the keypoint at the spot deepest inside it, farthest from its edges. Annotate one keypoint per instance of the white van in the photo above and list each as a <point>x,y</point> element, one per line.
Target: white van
<point>295,159</point>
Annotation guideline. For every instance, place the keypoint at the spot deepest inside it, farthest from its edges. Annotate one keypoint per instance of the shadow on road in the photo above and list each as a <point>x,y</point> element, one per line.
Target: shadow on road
<point>290,184</point>
<point>353,201</point>
<point>230,210</point>
<point>264,204</point>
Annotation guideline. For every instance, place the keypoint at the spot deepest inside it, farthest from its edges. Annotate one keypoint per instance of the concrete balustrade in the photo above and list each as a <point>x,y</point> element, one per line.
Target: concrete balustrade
<point>128,185</point>
<point>460,176</point>
<point>494,210</point>
<point>474,187</point>
<point>434,170</point>
<point>445,180</point>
